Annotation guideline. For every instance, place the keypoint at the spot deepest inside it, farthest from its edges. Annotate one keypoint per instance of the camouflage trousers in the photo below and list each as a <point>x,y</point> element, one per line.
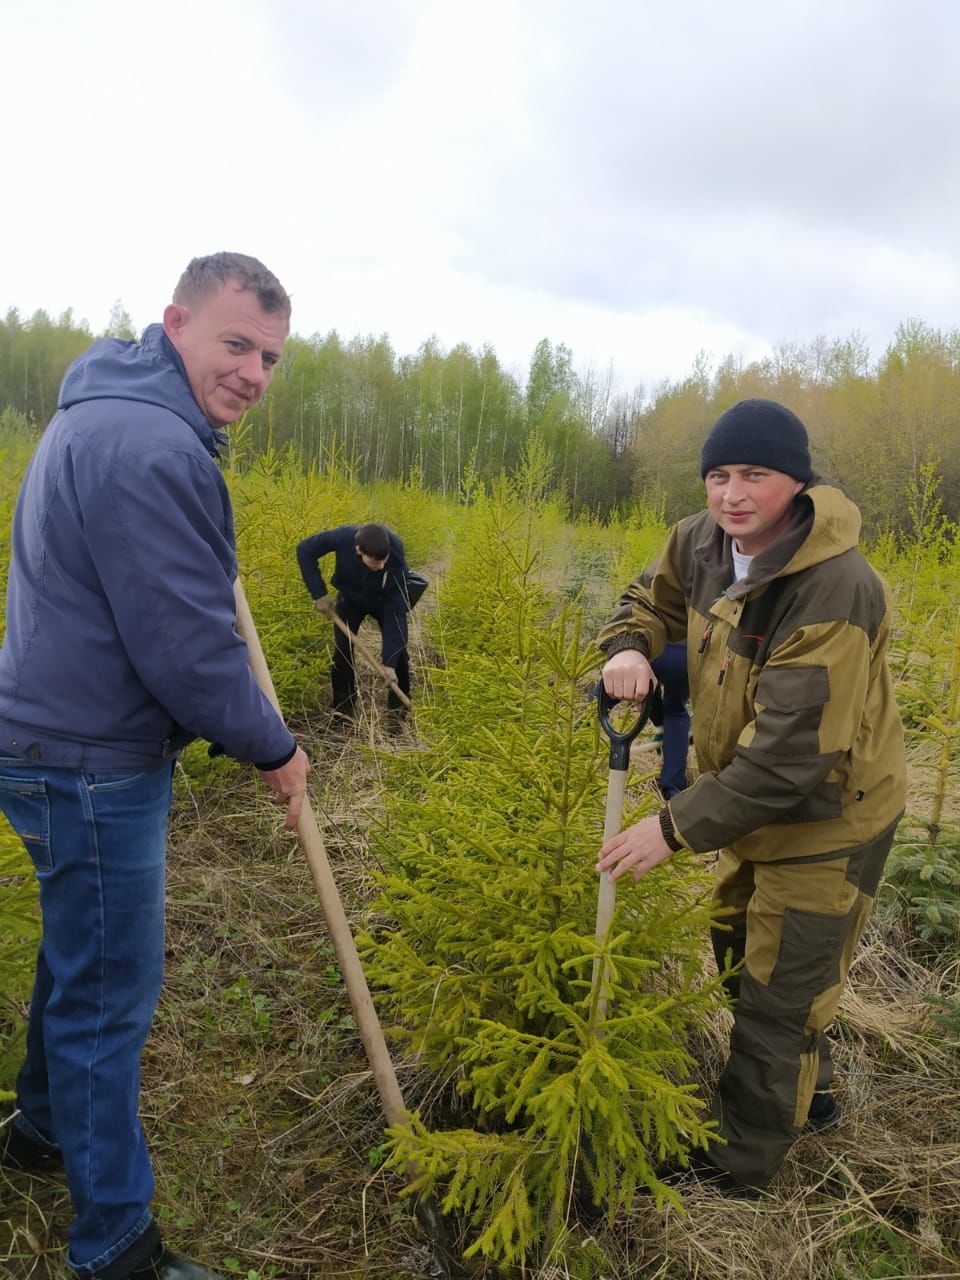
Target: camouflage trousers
<point>795,924</point>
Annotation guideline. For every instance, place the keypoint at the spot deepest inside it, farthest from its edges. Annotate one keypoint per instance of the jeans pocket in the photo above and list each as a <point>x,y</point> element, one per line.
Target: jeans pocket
<point>115,780</point>
<point>26,805</point>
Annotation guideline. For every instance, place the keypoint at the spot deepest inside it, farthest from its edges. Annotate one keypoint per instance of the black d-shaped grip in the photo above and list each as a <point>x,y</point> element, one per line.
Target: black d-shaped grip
<point>619,742</point>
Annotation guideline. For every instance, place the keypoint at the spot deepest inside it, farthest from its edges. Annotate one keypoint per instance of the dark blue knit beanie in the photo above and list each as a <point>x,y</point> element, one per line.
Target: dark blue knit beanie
<point>762,432</point>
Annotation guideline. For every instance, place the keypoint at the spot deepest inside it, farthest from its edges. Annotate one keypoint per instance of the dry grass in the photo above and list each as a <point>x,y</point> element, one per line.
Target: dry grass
<point>878,1196</point>
<point>265,1124</point>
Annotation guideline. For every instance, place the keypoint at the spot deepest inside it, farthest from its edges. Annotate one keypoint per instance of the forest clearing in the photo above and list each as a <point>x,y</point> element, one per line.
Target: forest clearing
<point>459,847</point>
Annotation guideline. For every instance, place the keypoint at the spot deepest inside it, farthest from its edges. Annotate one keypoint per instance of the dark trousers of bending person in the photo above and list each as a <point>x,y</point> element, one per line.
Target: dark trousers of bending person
<point>393,629</point>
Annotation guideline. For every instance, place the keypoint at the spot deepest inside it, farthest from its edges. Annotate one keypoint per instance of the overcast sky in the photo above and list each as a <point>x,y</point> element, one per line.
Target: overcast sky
<point>638,180</point>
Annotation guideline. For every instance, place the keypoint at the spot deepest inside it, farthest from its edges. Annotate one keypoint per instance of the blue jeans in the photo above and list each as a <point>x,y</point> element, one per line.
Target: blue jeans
<point>670,668</point>
<point>97,842</point>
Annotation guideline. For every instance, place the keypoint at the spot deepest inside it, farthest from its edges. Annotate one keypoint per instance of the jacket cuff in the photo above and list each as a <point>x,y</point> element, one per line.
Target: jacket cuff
<point>668,831</point>
<point>625,640</point>
<point>276,764</point>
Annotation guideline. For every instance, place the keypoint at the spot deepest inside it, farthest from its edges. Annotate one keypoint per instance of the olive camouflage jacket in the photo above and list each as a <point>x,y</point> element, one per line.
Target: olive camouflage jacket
<point>795,725</point>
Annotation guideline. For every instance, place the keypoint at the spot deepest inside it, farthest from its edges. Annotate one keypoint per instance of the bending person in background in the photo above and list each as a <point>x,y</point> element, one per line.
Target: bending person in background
<point>121,647</point>
<point>802,766</point>
<point>670,668</point>
<point>370,576</point>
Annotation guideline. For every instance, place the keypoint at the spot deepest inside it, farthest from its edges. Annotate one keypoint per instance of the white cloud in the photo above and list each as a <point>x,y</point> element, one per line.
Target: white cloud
<point>636,181</point>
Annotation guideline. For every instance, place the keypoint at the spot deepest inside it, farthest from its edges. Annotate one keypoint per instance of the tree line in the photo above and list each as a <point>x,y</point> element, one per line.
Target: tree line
<point>459,417</point>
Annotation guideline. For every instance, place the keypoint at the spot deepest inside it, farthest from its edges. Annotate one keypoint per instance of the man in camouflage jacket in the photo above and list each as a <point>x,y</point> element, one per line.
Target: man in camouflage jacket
<point>800,749</point>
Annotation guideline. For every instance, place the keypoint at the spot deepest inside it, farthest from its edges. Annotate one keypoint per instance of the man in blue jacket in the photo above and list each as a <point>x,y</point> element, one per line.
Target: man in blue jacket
<point>120,648</point>
<point>370,574</point>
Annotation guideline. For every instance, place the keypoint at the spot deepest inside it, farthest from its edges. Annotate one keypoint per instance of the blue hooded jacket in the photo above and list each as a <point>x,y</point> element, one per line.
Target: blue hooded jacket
<point>121,643</point>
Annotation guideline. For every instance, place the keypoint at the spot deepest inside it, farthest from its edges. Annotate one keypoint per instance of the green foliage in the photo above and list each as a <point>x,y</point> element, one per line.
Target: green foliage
<point>488,905</point>
<point>878,1251</point>
<point>34,355</point>
<point>15,428</point>
<point>197,769</point>
<point>445,415</point>
<point>19,935</point>
<point>946,1018</point>
<point>923,875</point>
<point>277,504</point>
<point>120,325</point>
<point>19,912</point>
<point>923,882</point>
<point>922,885</point>
<point>458,413</point>
<point>873,429</point>
<point>16,445</point>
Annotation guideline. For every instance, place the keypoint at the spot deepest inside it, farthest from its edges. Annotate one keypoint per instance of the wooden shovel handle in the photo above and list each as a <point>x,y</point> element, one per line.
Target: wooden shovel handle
<point>371,658</point>
<point>368,1024</point>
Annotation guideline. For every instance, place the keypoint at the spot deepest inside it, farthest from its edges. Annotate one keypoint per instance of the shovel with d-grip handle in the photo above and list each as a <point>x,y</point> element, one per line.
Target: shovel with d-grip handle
<point>443,1262</point>
<point>613,820</point>
<point>590,1208</point>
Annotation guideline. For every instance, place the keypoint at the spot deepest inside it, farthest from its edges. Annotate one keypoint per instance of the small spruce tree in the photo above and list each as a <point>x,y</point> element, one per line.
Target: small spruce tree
<point>485,944</point>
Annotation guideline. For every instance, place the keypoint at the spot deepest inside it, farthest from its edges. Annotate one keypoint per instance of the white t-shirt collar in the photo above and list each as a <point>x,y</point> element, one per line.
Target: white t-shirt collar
<point>741,563</point>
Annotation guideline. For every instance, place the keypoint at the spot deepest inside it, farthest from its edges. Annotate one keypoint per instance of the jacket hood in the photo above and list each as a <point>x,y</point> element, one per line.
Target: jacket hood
<point>835,526</point>
<point>150,372</point>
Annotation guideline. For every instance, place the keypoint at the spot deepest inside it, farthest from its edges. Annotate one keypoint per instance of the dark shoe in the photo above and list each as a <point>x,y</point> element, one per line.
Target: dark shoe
<point>170,1266</point>
<point>21,1153</point>
<point>824,1113</point>
<point>701,1172</point>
